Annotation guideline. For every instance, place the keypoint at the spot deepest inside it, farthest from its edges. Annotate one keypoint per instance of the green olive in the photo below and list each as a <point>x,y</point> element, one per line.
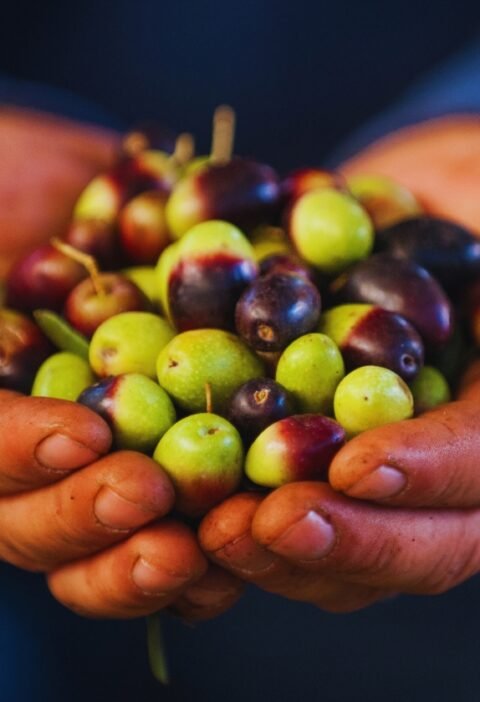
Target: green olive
<point>330,230</point>
<point>310,368</point>
<point>369,397</point>
<point>429,389</point>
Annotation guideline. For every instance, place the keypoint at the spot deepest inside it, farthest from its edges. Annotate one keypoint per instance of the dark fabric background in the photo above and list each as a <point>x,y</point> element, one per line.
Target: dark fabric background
<point>301,73</point>
<point>264,650</point>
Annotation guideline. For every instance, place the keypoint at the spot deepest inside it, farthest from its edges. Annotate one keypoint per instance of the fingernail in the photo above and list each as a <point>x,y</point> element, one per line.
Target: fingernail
<point>307,540</point>
<point>384,482</point>
<point>155,581</point>
<point>61,453</point>
<point>245,555</point>
<point>114,511</point>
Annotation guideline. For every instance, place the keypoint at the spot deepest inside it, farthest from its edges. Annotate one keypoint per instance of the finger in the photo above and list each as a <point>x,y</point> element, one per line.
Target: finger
<point>42,440</point>
<point>431,461</point>
<point>137,577</point>
<point>83,513</point>
<point>215,593</point>
<point>225,535</point>
<point>416,551</point>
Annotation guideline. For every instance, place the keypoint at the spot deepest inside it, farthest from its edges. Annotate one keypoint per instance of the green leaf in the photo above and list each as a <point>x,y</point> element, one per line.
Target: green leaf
<point>61,334</point>
<point>156,649</point>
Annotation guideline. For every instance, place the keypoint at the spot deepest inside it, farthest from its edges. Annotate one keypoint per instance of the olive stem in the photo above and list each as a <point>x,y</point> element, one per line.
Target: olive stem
<point>156,649</point>
<point>208,398</point>
<point>184,149</point>
<point>134,143</point>
<point>223,134</point>
<point>261,396</point>
<point>85,260</point>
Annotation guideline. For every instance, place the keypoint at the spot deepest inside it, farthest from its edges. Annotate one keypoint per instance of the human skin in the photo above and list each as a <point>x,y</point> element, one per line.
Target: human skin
<point>341,546</point>
<point>97,525</point>
<point>374,550</point>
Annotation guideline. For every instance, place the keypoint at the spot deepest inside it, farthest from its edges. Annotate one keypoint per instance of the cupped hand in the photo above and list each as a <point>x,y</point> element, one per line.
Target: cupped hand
<point>46,162</point>
<point>401,515</point>
<point>402,510</point>
<point>96,523</point>
<point>92,522</point>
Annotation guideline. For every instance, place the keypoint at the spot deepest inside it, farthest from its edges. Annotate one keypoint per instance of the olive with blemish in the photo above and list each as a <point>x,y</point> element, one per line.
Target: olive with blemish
<point>257,404</point>
<point>276,309</point>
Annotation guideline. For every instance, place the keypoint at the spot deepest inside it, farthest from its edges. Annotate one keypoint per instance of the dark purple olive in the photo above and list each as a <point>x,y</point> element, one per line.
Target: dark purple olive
<point>205,274</point>
<point>23,348</point>
<point>368,335</point>
<point>257,404</point>
<point>43,279</point>
<point>243,192</point>
<point>403,287</point>
<point>277,309</point>
<point>204,290</point>
<point>447,250</point>
<point>99,397</point>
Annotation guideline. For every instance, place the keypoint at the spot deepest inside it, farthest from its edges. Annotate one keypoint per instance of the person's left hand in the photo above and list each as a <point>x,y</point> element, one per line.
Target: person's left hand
<point>408,520</point>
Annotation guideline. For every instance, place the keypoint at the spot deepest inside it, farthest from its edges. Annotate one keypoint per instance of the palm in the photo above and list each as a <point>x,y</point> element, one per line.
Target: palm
<point>341,551</point>
<point>439,161</point>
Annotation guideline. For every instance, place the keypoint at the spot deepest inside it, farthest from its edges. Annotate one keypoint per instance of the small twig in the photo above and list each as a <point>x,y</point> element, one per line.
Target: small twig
<point>134,143</point>
<point>208,398</point>
<point>85,260</point>
<point>223,134</point>
<point>156,649</point>
<point>184,149</point>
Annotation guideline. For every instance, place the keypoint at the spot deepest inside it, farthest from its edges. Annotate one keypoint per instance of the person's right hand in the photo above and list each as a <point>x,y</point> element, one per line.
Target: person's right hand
<point>345,548</point>
<point>94,523</point>
<point>401,515</point>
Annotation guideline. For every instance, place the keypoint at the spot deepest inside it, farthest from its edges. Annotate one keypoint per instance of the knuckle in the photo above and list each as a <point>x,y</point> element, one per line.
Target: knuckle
<point>452,490</point>
<point>379,560</point>
<point>22,555</point>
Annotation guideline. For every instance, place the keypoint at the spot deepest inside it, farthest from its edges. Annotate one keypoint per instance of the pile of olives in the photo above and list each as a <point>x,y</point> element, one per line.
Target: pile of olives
<point>237,326</point>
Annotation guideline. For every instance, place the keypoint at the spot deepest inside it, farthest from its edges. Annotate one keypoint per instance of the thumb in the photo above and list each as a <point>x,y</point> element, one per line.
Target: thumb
<point>41,440</point>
